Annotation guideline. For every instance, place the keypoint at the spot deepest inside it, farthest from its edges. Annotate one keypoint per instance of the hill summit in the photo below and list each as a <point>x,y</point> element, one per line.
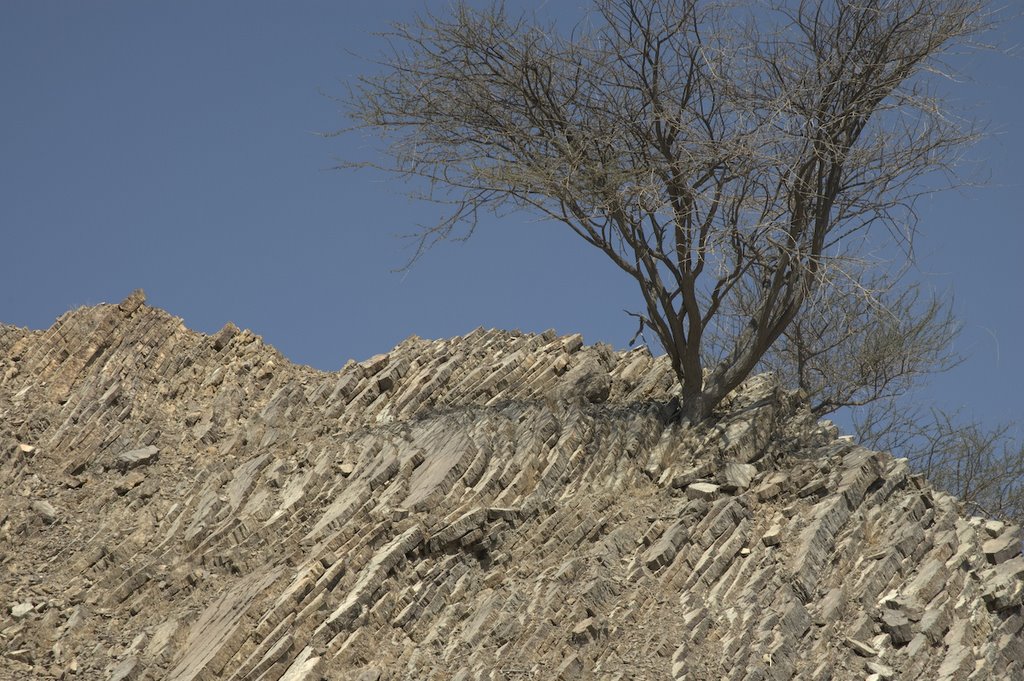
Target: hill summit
<point>498,506</point>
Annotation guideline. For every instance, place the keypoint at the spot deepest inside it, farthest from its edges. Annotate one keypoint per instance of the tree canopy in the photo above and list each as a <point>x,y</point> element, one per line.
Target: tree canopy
<point>732,158</point>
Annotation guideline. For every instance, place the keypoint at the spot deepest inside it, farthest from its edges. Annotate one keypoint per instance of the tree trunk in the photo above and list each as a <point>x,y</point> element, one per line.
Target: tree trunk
<point>694,405</point>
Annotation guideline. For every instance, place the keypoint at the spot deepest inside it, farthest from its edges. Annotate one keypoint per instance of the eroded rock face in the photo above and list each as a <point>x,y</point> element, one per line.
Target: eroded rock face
<point>495,506</point>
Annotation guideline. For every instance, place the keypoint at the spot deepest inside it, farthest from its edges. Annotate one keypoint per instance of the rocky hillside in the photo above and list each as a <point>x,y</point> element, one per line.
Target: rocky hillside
<point>498,506</point>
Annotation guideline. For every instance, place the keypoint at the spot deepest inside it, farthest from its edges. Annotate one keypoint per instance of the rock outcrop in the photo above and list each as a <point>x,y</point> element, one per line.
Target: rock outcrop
<point>496,506</point>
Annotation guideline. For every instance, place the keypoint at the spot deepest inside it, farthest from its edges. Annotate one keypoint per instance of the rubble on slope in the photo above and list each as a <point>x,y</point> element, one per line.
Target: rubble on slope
<point>495,506</point>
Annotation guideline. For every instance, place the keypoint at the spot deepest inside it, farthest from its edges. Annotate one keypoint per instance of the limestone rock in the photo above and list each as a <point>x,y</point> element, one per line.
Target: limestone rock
<point>494,506</point>
<point>702,490</point>
<point>126,670</point>
<point>689,476</point>
<point>1003,585</point>
<point>1002,548</point>
<point>737,476</point>
<point>132,303</point>
<point>587,630</point>
<point>596,388</point>
<point>881,671</point>
<point>137,457</point>
<point>897,625</point>
<point>773,536</point>
<point>859,647</point>
<point>46,511</point>
<point>22,610</point>
<point>221,339</point>
<point>24,450</point>
<point>22,655</point>
<point>129,482</point>
<point>994,527</point>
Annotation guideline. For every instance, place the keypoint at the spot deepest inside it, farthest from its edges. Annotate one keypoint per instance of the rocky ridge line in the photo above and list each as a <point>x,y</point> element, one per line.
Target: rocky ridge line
<point>495,506</point>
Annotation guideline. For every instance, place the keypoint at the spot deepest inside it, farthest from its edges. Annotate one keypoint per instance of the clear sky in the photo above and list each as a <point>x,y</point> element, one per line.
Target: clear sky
<point>172,147</point>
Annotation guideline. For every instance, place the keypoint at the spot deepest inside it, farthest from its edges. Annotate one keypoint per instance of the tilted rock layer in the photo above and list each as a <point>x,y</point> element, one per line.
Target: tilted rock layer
<point>496,506</point>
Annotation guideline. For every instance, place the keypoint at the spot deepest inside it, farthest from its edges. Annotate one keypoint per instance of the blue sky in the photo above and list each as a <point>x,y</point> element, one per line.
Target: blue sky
<point>173,147</point>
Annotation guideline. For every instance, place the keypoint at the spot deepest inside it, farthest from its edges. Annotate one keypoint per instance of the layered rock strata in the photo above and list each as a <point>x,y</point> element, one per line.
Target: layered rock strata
<point>495,506</point>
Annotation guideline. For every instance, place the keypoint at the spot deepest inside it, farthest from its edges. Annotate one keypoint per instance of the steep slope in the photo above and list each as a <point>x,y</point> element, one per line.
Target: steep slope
<point>495,506</point>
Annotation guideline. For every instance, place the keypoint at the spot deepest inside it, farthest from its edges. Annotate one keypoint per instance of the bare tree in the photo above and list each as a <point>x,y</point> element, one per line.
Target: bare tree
<point>982,465</point>
<point>864,339</point>
<point>864,344</point>
<point>704,147</point>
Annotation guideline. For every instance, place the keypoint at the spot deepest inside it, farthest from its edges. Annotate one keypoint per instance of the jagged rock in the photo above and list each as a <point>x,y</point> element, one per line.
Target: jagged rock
<point>773,537</point>
<point>859,647</point>
<point>132,303</point>
<point>71,481</point>
<point>597,388</point>
<point>737,476</point>
<point>25,450</point>
<point>994,527</point>
<point>587,630</point>
<point>46,511</point>
<point>667,546</point>
<point>22,655</point>
<point>137,457</point>
<point>689,476</point>
<point>498,505</point>
<point>702,490</point>
<point>1002,585</point>
<point>570,668</point>
<point>897,625</point>
<point>125,670</point>
<point>772,486</point>
<point>1005,546</point>
<point>22,610</point>
<point>881,671</point>
<point>221,339</point>
<point>129,482</point>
